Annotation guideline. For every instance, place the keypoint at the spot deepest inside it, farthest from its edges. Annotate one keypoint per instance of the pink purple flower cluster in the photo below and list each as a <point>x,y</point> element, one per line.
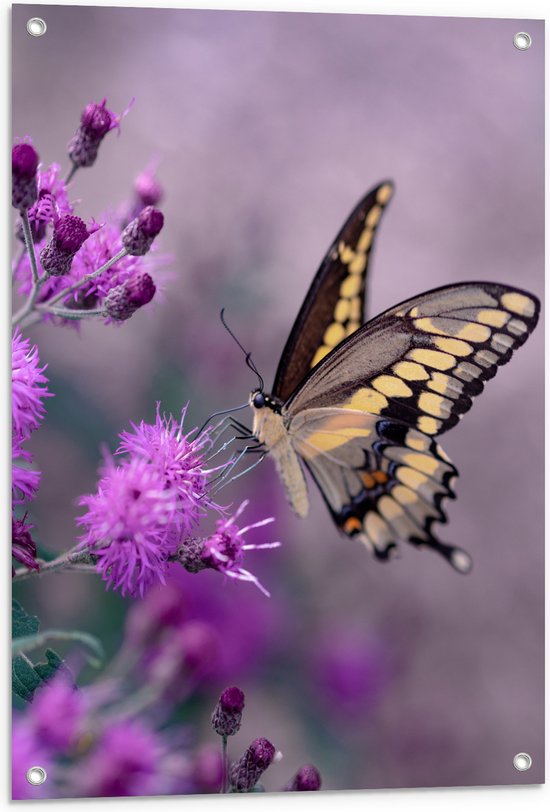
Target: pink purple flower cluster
<point>82,269</point>
<point>244,774</point>
<point>29,388</point>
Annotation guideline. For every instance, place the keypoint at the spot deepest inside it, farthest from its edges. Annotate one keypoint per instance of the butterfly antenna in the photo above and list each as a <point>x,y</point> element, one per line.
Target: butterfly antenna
<point>249,362</point>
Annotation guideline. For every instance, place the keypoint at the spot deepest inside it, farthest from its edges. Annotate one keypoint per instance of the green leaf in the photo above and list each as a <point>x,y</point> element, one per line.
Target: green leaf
<point>22,624</point>
<point>26,677</point>
<point>25,680</point>
<point>49,669</point>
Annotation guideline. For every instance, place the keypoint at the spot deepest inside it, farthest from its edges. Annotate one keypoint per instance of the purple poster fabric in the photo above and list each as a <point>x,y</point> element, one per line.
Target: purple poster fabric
<point>263,265</point>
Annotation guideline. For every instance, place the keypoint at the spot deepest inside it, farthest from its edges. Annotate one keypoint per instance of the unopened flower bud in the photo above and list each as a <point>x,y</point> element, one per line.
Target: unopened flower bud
<point>95,123</point>
<point>226,719</point>
<point>23,546</point>
<point>123,301</point>
<point>246,772</point>
<point>307,779</point>
<point>139,234</point>
<point>69,234</point>
<point>24,165</point>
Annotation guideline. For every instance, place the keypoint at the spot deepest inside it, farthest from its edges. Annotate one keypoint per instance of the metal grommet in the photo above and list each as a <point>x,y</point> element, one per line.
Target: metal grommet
<point>522,762</point>
<point>36,26</point>
<point>522,41</point>
<point>36,775</point>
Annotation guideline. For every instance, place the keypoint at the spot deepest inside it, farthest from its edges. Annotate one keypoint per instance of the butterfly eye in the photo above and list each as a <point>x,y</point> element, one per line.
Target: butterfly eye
<point>259,400</point>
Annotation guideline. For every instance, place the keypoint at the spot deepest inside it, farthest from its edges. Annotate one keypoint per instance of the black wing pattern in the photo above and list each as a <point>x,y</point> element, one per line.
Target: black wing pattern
<point>334,306</point>
<point>364,420</point>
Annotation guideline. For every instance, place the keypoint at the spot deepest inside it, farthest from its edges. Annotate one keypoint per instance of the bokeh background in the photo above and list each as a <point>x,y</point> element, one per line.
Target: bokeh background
<point>268,127</point>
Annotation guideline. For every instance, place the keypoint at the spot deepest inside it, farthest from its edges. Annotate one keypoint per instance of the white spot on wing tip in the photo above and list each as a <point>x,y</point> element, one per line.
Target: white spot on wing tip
<point>461,561</point>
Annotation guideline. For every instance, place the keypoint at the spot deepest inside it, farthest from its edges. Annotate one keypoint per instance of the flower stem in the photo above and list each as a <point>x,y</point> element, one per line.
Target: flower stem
<point>88,278</point>
<point>78,560</point>
<point>28,307</point>
<point>71,173</point>
<point>225,778</point>
<point>29,244</point>
<point>70,314</point>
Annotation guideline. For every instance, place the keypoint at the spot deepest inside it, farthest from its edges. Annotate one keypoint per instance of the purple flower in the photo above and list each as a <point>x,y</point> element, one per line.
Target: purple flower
<point>148,190</point>
<point>24,165</point>
<point>52,203</point>
<point>162,609</point>
<point>208,769</point>
<point>180,461</point>
<point>188,652</point>
<point>227,716</point>
<point>123,301</point>
<point>95,122</point>
<point>28,386</point>
<point>129,525</point>
<point>245,773</point>
<point>139,234</point>
<point>23,548</point>
<point>69,235</point>
<point>57,714</point>
<point>349,671</point>
<point>24,481</point>
<point>127,760</point>
<point>224,549</point>
<point>307,779</point>
<point>27,751</point>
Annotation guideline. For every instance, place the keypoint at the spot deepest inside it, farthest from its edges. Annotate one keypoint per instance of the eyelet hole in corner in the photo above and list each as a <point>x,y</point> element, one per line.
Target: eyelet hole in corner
<point>522,41</point>
<point>36,27</point>
<point>36,776</point>
<point>522,762</point>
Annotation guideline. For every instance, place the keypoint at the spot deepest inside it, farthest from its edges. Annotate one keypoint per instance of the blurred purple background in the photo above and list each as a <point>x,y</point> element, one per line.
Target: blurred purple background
<point>268,128</point>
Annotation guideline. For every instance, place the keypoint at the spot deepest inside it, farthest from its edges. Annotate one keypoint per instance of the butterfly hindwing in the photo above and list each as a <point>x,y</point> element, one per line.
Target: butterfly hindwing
<point>422,362</point>
<point>335,303</point>
<point>386,482</point>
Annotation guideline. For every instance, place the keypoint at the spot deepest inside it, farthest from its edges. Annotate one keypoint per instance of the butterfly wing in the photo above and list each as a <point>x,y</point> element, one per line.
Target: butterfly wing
<point>364,420</point>
<point>334,305</point>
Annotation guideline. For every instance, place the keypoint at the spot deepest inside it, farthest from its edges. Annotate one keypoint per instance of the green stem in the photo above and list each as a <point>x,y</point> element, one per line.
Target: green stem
<point>28,307</point>
<point>225,779</point>
<point>29,244</point>
<point>88,278</point>
<point>71,173</point>
<point>77,560</point>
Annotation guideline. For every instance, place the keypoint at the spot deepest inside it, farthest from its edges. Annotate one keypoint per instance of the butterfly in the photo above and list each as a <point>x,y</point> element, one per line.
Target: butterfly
<point>360,405</point>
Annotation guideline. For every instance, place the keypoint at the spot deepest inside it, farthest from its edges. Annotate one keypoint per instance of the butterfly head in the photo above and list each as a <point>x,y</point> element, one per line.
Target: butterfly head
<point>259,400</point>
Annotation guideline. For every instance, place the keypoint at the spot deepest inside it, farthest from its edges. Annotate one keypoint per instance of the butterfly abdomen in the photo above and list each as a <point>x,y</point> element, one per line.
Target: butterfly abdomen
<point>269,428</point>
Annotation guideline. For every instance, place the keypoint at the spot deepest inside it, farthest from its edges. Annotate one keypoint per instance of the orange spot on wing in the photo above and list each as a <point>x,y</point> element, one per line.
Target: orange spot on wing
<point>380,477</point>
<point>352,525</point>
<point>368,480</point>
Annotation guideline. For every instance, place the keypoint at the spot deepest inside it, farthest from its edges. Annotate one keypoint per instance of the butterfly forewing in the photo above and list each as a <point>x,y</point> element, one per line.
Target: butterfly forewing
<point>335,304</point>
<point>423,361</point>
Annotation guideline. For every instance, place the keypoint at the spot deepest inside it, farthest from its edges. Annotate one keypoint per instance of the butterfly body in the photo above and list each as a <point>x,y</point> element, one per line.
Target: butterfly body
<point>269,429</point>
<point>361,406</point>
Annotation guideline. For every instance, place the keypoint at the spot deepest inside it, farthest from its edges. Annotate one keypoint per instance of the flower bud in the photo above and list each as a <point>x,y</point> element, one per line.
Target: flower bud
<point>139,234</point>
<point>24,165</point>
<point>226,719</point>
<point>23,546</point>
<point>245,773</point>
<point>307,779</point>
<point>69,234</point>
<point>123,301</point>
<point>95,123</point>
